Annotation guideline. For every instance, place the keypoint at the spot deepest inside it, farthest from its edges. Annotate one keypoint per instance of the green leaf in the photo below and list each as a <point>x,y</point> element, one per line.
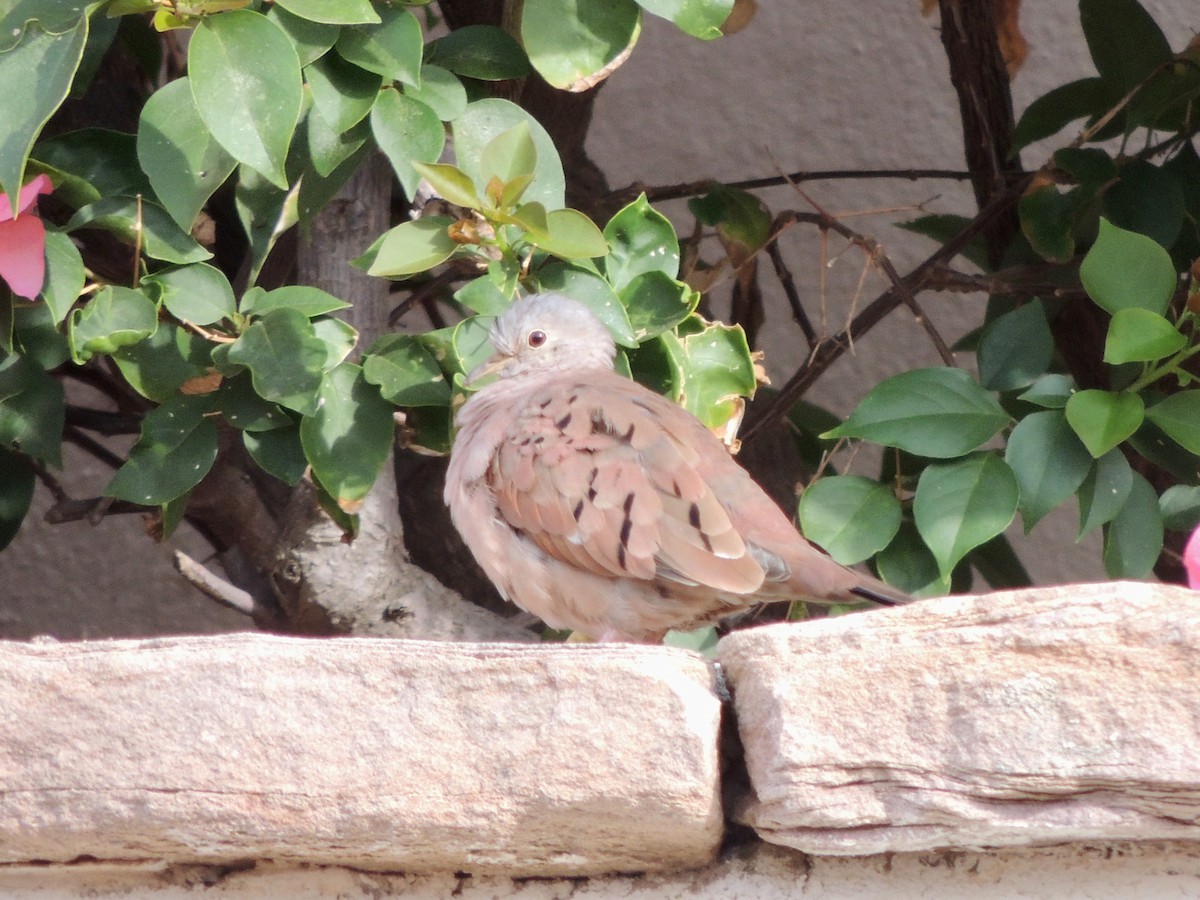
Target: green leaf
<point>908,564</point>
<point>1179,416</point>
<point>937,412</point>
<point>161,237</point>
<point>656,303</point>
<point>699,18</point>
<point>408,131</point>
<point>962,504</point>
<point>179,155</point>
<point>340,339</point>
<point>92,163</point>
<point>327,150</point>
<point>1091,166</point>
<point>265,212</point>
<point>1134,539</point>
<point>484,296</point>
<point>1146,200</point>
<point>942,228</point>
<point>1125,270</point>
<point>1180,507</point>
<point>441,91</point>
<point>199,294</point>
<point>450,182</point>
<point>349,436</point>
<point>32,410</point>
<point>393,48</point>
<point>716,372</point>
<point>1050,391</point>
<point>1054,110</point>
<point>1125,43</point>
<point>64,275</point>
<point>311,39</point>
<point>114,318</point>
<point>852,518</point>
<point>486,52</point>
<point>482,121</point>
<point>1103,419</point>
<point>35,336</point>
<point>177,448</point>
<point>35,76</point>
<point>333,12</point>
<point>342,92</point>
<point>508,155</point>
<point>245,79</point>
<point>1138,335</point>
<point>593,292</point>
<point>741,219</point>
<point>1049,461</point>
<point>285,357</point>
<point>1104,492</point>
<point>642,240</point>
<point>310,301</point>
<point>16,494</point>
<point>279,452</point>
<point>156,366</point>
<point>245,410</point>
<point>570,42</point>
<point>413,247</point>
<point>1015,348</point>
<point>572,235</point>
<point>54,17</point>
<point>1048,221</point>
<point>407,373</point>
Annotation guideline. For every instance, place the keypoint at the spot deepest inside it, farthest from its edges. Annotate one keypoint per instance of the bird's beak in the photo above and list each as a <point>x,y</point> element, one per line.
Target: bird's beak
<point>489,366</point>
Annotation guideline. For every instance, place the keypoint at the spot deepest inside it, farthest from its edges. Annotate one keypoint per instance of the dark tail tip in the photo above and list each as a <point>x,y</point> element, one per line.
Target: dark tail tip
<point>882,599</point>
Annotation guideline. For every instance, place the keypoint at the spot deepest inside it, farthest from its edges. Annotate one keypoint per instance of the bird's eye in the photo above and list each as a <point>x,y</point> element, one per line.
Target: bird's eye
<point>536,339</point>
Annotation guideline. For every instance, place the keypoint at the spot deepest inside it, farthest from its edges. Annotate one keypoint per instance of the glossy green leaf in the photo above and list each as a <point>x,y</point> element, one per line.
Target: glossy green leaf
<point>310,301</point>
<point>1015,348</point>
<point>176,450</point>
<point>392,49</point>
<point>35,336</point>
<point>1054,110</point>
<point>161,237</point>
<point>406,373</point>
<point>342,92</point>
<point>408,131</point>
<point>310,39</point>
<point>16,494</point>
<point>340,339</point>
<point>741,219</point>
<point>450,183</point>
<point>852,518</point>
<point>1049,461</point>
<point>245,79</point>
<point>572,235</point>
<point>1048,221</point>
<point>1103,419</point>
<point>1139,335</point>
<point>244,409</point>
<point>1125,270</point>
<point>266,212</point>
<point>327,150</point>
<point>179,155</point>
<point>482,121</point>
<point>484,296</point>
<point>908,564</point>
<point>1146,200</point>
<point>1180,507</point>
<point>35,76</point>
<point>441,91</point>
<point>413,247</point>
<point>1154,444</point>
<point>1134,539</point>
<point>593,292</point>
<point>1103,493</point>
<point>156,366</point>
<point>64,275</point>
<point>937,412</point>
<point>508,155</point>
<point>92,163</point>
<point>486,52</point>
<point>333,12</point>
<point>962,504</point>
<point>32,410</point>
<point>699,18</point>
<point>1050,391</point>
<point>199,293</point>
<point>349,436</point>
<point>54,17</point>
<point>570,42</point>
<point>656,303</point>
<point>285,357</point>
<point>116,317</point>
<point>641,240</point>
<point>1179,416</point>
<point>717,371</point>
<point>279,452</point>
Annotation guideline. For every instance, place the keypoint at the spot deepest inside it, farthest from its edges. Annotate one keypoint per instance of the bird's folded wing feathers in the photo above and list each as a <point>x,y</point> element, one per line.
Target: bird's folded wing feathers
<point>596,480</point>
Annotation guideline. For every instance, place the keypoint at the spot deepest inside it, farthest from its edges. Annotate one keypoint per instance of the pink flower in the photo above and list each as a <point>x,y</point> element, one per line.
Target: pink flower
<point>23,240</point>
<point>1191,560</point>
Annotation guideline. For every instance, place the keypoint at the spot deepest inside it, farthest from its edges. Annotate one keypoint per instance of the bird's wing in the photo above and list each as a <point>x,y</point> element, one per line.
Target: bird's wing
<point>600,475</point>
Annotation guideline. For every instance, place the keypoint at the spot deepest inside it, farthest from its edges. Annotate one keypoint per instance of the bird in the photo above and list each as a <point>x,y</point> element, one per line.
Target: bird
<point>605,508</point>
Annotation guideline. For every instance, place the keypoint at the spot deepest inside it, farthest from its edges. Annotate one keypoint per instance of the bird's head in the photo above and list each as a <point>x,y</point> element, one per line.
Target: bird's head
<point>545,333</point>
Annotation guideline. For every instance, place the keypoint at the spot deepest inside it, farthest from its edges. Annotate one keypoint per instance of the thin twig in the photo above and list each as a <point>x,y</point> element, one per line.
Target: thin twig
<point>91,509</point>
<point>789,289</point>
<point>213,586</point>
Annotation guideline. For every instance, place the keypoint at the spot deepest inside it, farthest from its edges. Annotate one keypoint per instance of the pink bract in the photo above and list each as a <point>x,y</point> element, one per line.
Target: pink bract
<point>23,240</point>
<point>1191,560</point>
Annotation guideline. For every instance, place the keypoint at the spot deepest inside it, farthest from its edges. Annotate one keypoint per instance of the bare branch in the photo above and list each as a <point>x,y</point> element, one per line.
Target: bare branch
<point>213,586</point>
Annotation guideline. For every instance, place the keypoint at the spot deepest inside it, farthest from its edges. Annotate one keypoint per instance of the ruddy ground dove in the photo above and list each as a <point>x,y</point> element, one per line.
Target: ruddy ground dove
<point>603,507</point>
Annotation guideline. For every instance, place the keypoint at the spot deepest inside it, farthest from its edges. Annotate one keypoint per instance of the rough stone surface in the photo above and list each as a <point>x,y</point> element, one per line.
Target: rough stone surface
<point>1028,717</point>
<point>375,754</point>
